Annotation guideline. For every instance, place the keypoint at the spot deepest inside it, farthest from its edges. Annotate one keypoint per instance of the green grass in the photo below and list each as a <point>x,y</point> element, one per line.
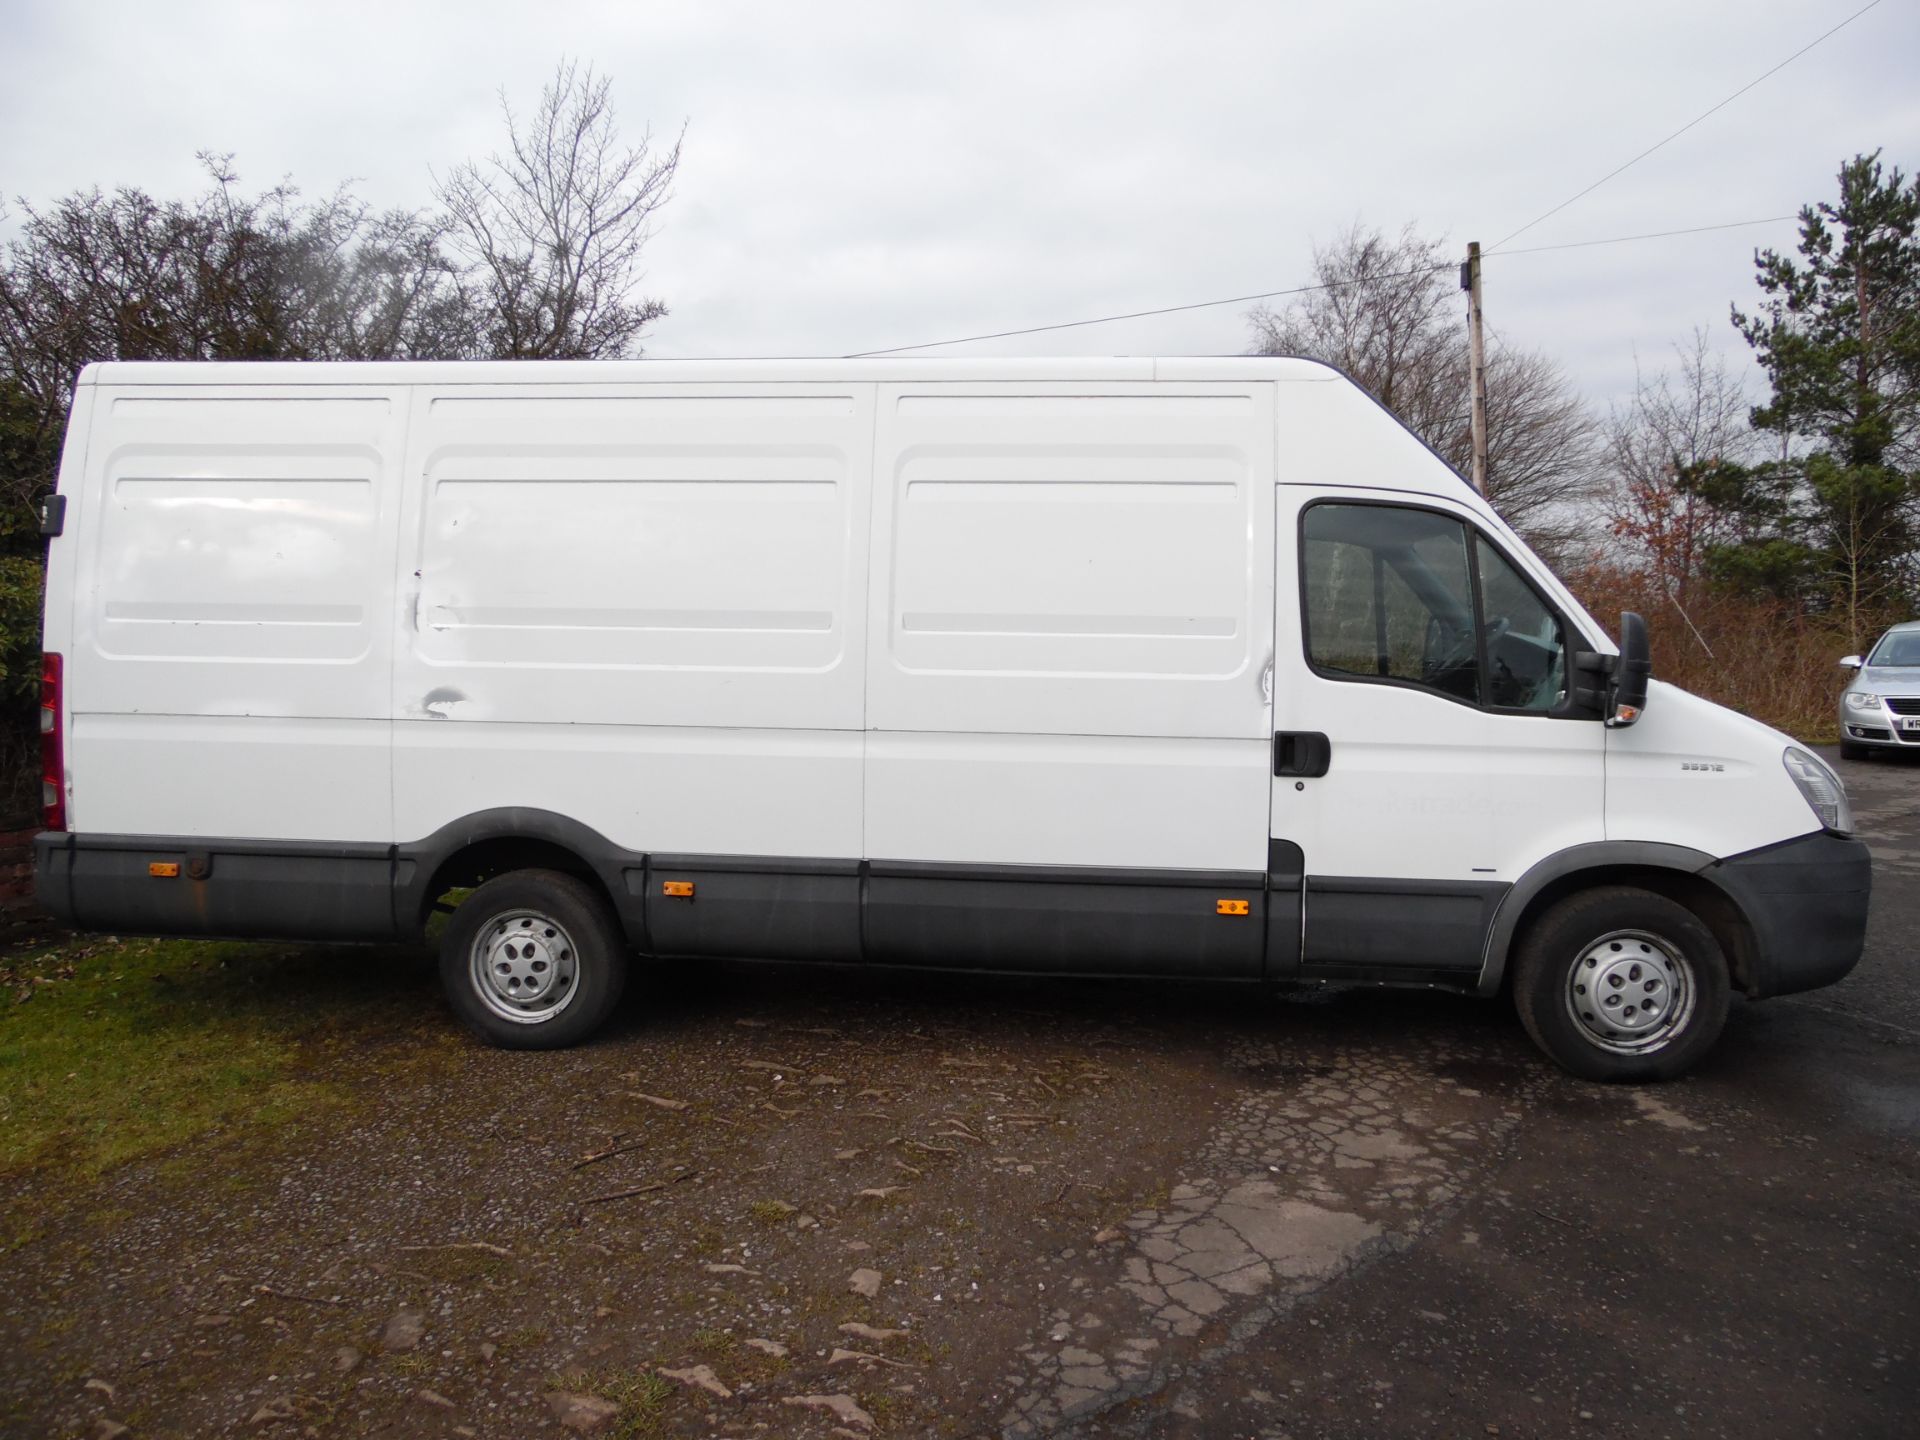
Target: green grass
<point>641,1395</point>
<point>114,1050</point>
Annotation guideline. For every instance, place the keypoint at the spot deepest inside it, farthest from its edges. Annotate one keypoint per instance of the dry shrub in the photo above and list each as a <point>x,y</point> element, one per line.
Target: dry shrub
<point>1762,657</point>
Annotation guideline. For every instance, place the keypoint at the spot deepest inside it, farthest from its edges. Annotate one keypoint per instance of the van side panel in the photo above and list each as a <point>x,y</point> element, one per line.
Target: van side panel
<point>641,607</point>
<point>1072,609</point>
<point>233,590</point>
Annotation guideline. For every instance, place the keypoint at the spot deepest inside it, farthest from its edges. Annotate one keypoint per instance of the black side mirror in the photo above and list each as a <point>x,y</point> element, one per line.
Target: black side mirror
<point>1628,692</point>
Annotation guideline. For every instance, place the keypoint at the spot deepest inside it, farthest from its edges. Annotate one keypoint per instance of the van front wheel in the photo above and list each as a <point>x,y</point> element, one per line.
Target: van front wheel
<point>533,960</point>
<point>1621,984</point>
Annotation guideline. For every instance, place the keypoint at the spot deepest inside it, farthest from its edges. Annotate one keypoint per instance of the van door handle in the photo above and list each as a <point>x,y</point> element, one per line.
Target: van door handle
<point>1306,753</point>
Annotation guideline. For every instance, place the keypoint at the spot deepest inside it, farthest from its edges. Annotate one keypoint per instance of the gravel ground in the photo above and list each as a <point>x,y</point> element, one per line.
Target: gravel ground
<point>801,1204</point>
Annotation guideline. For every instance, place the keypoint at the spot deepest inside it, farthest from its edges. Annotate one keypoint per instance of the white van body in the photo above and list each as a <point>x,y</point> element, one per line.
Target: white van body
<point>985,663</point>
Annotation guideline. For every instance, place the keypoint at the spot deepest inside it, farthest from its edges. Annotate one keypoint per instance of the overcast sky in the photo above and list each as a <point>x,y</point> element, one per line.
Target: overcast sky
<point>859,176</point>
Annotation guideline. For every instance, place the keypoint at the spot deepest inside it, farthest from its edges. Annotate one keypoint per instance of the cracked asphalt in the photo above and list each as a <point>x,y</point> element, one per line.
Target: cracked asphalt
<point>780,1203</point>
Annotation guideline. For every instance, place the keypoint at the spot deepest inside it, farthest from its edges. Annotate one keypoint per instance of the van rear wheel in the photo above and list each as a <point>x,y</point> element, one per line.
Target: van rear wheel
<point>533,960</point>
<point>1621,984</point>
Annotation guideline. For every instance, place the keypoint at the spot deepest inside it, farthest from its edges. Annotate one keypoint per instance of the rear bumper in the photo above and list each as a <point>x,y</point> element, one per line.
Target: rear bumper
<point>1806,903</point>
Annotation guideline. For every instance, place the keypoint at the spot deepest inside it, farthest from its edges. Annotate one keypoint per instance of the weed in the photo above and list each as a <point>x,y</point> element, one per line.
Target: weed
<point>641,1395</point>
<point>460,1267</point>
<point>1762,657</point>
<point>886,1409</point>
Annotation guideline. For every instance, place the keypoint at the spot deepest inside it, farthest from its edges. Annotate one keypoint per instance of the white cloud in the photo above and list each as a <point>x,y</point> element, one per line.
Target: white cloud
<point>864,175</point>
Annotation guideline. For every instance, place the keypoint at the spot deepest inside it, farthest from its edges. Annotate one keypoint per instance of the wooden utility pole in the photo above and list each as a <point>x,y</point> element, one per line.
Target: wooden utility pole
<point>1476,364</point>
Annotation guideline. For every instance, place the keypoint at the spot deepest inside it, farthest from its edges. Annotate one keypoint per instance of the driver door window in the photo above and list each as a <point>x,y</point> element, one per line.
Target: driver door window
<point>1418,598</point>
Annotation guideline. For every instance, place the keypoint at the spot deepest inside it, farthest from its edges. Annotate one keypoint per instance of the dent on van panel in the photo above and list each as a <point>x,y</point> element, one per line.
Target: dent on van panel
<point>648,558</point>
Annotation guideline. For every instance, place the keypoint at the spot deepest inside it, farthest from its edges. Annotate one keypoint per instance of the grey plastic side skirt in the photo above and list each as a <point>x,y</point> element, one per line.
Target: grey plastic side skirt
<point>1600,855</point>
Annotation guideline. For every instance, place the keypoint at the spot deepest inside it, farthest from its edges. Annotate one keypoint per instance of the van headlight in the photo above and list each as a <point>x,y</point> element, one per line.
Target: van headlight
<point>1862,700</point>
<point>1820,788</point>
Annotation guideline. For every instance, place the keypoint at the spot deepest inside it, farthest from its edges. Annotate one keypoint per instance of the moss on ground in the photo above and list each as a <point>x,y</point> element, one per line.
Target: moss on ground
<point>111,1050</point>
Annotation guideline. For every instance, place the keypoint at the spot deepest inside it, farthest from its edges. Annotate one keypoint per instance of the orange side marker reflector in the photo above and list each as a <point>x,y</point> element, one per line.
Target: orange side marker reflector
<point>1230,907</point>
<point>164,869</point>
<point>680,889</point>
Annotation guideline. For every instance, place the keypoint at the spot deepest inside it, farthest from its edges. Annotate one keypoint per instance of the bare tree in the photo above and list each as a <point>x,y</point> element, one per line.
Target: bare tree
<point>552,230</point>
<point>1540,448</point>
<point>1661,456</point>
<point>1385,310</point>
<point>225,275</point>
<point>1384,314</point>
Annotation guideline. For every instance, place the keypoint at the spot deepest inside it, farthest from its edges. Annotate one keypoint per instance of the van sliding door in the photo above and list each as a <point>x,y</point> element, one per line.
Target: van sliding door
<point>640,608</point>
<point>1070,613</point>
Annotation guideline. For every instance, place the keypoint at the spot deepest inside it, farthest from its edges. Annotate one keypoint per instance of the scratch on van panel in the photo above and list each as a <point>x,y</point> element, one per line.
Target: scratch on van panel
<point>444,695</point>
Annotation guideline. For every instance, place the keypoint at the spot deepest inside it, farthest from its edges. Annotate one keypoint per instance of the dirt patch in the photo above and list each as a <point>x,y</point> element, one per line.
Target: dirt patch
<point>553,1228</point>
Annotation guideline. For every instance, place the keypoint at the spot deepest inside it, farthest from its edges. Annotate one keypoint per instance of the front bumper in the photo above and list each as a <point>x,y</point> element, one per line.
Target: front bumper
<point>1806,903</point>
<point>1878,726</point>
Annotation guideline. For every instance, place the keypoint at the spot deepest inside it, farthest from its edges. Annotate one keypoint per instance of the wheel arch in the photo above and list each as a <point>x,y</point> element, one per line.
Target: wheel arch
<point>1674,871</point>
<point>478,847</point>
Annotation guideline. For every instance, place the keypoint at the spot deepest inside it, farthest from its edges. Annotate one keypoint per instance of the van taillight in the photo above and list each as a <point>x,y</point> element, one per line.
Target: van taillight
<point>53,780</point>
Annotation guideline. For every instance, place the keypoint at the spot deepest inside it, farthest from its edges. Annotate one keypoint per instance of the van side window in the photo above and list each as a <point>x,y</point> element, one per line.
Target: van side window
<point>1526,648</point>
<point>1395,593</point>
<point>1389,596</point>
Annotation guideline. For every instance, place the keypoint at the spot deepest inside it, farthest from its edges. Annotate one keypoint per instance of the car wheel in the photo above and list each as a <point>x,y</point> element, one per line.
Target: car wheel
<point>1621,984</point>
<point>533,960</point>
<point>1851,751</point>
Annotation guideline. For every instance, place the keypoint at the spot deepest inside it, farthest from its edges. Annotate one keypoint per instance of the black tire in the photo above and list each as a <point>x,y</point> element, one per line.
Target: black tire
<point>1640,949</point>
<point>1851,751</point>
<point>525,931</point>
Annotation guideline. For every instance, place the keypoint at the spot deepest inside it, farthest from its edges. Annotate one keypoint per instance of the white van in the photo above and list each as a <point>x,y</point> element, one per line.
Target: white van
<point>1087,667</point>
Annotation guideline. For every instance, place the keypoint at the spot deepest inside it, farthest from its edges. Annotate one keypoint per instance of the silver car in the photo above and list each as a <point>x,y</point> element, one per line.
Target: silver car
<point>1881,704</point>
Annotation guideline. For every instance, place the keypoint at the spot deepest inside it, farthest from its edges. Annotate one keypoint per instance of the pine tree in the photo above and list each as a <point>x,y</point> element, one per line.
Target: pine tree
<point>1837,516</point>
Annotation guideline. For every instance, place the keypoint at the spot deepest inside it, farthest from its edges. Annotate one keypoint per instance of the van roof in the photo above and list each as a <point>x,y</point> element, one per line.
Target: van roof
<point>763,371</point>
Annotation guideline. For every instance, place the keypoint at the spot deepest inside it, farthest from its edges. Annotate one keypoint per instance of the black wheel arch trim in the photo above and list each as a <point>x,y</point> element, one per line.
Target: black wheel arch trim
<point>1595,855</point>
<point>416,863</point>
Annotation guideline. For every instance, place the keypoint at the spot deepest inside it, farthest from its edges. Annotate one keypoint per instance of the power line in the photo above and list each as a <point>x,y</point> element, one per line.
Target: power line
<point>1651,235</point>
<point>1689,125</point>
<point>1296,290</point>
<point>1144,314</point>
